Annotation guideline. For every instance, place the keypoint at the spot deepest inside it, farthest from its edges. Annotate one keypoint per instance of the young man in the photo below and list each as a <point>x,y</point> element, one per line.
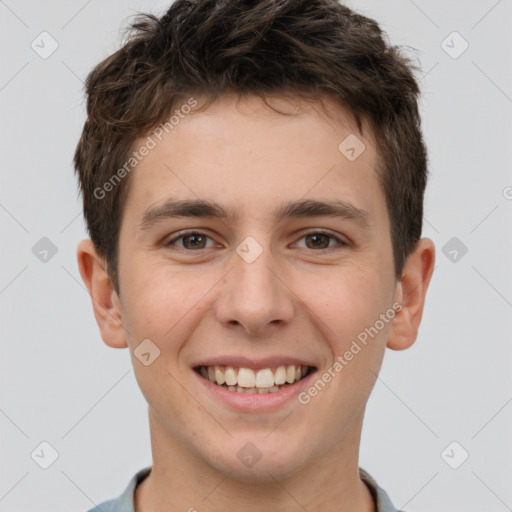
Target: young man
<point>253,177</point>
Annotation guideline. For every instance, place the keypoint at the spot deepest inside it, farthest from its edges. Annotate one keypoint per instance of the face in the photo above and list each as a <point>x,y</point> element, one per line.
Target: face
<point>254,289</point>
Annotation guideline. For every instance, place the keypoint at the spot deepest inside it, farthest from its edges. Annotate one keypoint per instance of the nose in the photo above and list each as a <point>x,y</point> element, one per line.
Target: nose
<point>255,296</point>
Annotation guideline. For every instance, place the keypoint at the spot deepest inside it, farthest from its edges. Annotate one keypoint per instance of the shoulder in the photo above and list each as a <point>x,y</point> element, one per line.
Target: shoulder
<point>125,502</point>
<point>382,500</point>
<point>107,506</point>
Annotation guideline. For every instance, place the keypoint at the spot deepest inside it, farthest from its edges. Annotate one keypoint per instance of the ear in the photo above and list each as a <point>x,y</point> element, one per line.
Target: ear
<point>105,301</point>
<point>410,292</point>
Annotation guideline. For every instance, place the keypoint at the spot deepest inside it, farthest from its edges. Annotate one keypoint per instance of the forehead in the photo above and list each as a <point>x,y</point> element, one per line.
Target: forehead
<point>244,155</point>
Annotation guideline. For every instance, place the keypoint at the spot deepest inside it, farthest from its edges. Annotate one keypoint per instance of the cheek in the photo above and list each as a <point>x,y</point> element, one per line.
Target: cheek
<point>356,336</point>
<point>344,301</point>
<point>164,304</point>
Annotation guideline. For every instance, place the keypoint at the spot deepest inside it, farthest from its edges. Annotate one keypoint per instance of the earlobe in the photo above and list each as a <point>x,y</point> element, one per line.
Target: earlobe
<point>106,306</point>
<point>410,292</point>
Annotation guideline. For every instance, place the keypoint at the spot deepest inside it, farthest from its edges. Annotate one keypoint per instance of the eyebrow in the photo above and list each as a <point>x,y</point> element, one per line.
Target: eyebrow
<point>303,208</point>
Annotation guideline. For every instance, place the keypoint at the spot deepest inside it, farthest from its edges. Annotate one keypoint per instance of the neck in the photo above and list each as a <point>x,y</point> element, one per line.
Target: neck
<point>180,480</point>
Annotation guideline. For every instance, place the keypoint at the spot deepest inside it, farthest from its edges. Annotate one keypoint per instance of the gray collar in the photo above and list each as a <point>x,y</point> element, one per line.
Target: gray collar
<point>125,502</point>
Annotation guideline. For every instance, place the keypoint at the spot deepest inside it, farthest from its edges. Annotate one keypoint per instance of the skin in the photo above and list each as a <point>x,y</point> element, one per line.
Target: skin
<point>294,299</point>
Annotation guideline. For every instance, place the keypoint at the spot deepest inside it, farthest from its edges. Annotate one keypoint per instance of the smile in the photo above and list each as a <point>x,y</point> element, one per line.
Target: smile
<point>254,381</point>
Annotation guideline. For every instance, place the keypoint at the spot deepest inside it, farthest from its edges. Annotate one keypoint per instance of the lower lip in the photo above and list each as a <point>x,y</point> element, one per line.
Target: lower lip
<point>256,401</point>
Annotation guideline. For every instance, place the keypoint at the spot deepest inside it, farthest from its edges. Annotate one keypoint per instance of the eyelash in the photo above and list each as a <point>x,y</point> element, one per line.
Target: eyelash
<point>181,235</point>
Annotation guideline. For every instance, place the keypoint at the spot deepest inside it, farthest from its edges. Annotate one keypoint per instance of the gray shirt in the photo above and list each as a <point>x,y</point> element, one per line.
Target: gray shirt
<point>125,502</point>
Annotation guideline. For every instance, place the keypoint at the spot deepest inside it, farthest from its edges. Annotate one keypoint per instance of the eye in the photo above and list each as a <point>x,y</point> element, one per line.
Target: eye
<point>195,240</point>
<point>321,240</point>
<point>191,240</point>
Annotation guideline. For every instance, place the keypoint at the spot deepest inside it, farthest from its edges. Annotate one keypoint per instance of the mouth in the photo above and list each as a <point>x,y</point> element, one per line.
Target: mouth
<point>246,380</point>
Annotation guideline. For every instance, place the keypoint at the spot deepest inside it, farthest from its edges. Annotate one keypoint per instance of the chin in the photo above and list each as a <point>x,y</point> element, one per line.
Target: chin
<point>259,461</point>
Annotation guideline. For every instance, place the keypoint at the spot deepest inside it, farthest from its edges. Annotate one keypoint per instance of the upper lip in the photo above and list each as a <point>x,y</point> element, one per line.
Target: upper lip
<point>257,364</point>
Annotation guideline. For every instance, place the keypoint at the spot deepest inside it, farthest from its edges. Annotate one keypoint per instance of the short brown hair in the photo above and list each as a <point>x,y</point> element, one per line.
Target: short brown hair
<point>309,48</point>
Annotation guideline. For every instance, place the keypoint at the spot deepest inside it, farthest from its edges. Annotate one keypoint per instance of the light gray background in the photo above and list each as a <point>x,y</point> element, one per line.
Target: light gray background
<point>61,384</point>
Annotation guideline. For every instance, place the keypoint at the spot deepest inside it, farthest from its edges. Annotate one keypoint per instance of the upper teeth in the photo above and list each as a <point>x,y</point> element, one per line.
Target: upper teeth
<point>248,378</point>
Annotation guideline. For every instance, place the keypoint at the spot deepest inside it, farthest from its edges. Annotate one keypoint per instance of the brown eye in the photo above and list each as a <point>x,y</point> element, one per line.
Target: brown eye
<point>321,240</point>
<point>318,241</point>
<point>195,241</point>
<point>189,241</point>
